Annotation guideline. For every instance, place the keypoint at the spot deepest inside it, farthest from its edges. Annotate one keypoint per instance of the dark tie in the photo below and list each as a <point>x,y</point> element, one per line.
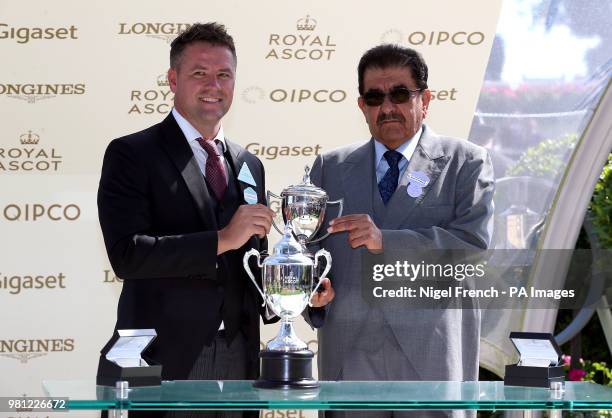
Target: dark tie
<point>215,170</point>
<point>388,184</point>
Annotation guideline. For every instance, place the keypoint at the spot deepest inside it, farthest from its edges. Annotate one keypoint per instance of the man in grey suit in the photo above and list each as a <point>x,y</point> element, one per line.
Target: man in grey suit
<point>406,188</point>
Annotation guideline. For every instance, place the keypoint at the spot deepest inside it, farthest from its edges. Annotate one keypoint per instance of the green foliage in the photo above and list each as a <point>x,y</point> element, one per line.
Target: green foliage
<point>545,160</point>
<point>597,372</point>
<point>601,206</point>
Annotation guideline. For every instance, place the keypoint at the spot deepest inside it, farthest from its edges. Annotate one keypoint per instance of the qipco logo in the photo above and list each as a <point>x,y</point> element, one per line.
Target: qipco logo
<point>32,212</point>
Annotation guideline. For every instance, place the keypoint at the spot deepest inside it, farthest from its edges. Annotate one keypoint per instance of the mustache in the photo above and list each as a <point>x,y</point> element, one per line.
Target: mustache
<point>390,116</point>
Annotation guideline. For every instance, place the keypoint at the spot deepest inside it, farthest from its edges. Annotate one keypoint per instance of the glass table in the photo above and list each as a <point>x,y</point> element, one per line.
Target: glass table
<point>185,395</point>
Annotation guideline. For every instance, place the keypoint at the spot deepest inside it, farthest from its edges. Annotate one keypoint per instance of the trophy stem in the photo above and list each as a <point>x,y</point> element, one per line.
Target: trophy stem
<point>286,339</point>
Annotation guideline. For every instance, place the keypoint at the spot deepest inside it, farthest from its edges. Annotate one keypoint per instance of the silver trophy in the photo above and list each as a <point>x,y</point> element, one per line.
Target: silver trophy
<point>303,208</point>
<point>287,279</point>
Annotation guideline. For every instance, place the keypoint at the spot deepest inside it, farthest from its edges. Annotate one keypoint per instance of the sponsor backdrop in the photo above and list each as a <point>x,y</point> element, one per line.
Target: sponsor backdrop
<point>77,74</point>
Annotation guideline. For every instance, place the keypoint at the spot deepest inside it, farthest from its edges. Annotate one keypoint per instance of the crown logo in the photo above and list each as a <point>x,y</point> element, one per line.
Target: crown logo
<point>306,23</point>
<point>162,81</point>
<point>29,138</point>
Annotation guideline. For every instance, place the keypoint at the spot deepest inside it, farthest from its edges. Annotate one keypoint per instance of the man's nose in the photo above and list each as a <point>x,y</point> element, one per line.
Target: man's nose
<point>387,104</point>
<point>211,81</point>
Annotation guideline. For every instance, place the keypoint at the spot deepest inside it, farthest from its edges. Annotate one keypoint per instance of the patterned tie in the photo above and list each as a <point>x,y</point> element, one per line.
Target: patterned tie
<point>215,170</point>
<point>388,184</point>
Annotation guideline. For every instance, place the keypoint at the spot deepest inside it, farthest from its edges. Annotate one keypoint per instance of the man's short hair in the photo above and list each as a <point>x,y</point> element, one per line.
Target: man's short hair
<point>214,33</point>
<point>388,55</point>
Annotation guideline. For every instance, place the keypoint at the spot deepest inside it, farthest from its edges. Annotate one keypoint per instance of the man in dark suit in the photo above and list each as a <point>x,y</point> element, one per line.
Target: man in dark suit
<point>179,204</point>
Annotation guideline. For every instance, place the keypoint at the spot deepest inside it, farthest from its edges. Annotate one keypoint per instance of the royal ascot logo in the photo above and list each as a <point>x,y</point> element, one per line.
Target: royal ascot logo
<point>29,155</point>
<point>32,93</point>
<point>254,94</point>
<point>110,277</point>
<point>432,38</point>
<point>304,43</point>
<point>33,212</point>
<point>155,100</point>
<point>25,34</point>
<point>24,350</point>
<point>164,31</point>
<point>16,284</point>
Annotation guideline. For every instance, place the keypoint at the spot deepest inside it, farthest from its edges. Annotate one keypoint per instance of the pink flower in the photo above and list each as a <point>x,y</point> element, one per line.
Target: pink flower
<point>576,375</point>
<point>566,359</point>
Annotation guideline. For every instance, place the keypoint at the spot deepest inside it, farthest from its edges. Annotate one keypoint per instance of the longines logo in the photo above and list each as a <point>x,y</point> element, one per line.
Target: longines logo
<point>32,212</point>
<point>156,100</point>
<point>32,93</point>
<point>29,155</point>
<point>433,38</point>
<point>304,43</point>
<point>15,284</point>
<point>25,34</point>
<point>24,350</point>
<point>110,277</point>
<point>254,94</point>
<point>164,31</point>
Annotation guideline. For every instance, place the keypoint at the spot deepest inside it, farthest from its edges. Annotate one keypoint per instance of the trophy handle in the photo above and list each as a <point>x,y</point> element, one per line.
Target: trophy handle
<point>340,203</point>
<point>245,263</point>
<point>320,253</point>
<point>268,195</point>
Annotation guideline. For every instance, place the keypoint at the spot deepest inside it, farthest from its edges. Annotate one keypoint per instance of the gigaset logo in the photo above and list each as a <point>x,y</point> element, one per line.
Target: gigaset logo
<point>15,284</point>
<point>25,34</point>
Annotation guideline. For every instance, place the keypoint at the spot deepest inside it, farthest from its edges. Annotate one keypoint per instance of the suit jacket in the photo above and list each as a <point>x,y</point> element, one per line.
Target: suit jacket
<point>160,233</point>
<point>454,211</point>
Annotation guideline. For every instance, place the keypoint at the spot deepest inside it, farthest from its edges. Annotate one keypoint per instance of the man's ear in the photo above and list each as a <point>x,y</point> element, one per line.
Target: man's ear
<point>426,98</point>
<point>172,79</point>
<point>361,105</point>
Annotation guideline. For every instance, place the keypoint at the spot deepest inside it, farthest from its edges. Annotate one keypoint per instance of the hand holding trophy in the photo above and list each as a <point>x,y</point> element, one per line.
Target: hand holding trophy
<point>287,277</point>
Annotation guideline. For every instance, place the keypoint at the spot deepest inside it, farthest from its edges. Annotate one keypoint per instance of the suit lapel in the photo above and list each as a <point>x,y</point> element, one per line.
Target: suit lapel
<point>357,175</point>
<point>429,159</point>
<point>236,161</point>
<point>177,148</point>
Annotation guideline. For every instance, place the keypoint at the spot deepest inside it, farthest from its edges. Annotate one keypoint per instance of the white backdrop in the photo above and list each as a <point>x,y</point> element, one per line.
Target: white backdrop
<point>75,75</point>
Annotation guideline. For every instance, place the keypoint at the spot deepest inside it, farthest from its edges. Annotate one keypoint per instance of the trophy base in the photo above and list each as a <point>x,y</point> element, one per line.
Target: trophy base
<point>286,370</point>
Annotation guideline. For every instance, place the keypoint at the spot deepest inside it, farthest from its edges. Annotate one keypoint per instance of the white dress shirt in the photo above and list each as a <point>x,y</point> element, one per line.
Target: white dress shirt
<point>406,149</point>
<point>192,135</point>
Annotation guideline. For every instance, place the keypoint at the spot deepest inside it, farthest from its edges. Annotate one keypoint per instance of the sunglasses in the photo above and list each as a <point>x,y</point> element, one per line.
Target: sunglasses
<point>397,95</point>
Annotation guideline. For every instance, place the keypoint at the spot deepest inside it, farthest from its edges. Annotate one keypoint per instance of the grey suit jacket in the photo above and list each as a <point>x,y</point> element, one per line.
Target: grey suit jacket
<point>454,211</point>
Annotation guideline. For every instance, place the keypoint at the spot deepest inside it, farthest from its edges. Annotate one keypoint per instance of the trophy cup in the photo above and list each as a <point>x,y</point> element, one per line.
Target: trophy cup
<point>303,207</point>
<point>287,279</point>
<point>288,276</point>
